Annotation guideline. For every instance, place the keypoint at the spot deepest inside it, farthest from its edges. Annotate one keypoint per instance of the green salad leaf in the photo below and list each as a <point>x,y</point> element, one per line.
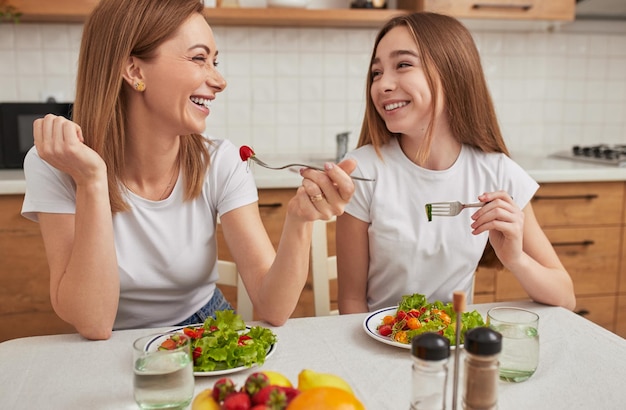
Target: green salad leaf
<point>431,320</point>
<point>224,342</point>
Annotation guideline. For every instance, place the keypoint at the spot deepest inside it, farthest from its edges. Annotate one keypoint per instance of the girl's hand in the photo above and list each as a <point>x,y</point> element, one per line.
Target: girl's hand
<point>60,143</point>
<point>324,194</point>
<point>505,222</point>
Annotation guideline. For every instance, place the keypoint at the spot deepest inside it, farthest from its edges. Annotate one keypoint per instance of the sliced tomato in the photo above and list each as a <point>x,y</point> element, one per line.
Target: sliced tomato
<point>169,344</point>
<point>243,340</point>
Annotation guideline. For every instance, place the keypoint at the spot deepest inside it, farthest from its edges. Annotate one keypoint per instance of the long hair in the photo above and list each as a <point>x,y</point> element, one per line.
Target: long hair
<point>115,30</point>
<point>451,61</point>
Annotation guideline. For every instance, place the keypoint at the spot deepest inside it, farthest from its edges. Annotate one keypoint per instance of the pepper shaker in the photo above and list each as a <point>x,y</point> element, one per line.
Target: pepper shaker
<point>430,353</point>
<point>483,346</point>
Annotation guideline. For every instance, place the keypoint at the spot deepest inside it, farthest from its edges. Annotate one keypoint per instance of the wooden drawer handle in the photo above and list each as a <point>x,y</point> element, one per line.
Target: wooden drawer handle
<point>271,205</point>
<point>586,242</point>
<point>587,197</point>
<point>504,6</point>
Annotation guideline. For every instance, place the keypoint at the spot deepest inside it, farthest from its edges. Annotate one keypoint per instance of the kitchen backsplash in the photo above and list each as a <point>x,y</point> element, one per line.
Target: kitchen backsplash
<point>291,90</point>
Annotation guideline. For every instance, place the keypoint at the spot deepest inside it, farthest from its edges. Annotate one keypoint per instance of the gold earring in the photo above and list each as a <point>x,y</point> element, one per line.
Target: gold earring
<point>140,86</point>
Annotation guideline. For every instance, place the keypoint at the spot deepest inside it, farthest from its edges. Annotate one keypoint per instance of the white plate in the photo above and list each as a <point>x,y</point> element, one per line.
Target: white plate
<point>156,342</point>
<point>375,319</point>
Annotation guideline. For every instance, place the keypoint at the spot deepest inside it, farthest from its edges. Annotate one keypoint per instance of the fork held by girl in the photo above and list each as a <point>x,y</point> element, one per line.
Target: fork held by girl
<point>430,131</point>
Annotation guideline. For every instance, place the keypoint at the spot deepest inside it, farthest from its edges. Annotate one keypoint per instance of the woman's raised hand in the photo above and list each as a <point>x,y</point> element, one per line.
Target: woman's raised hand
<point>325,194</point>
<point>60,143</point>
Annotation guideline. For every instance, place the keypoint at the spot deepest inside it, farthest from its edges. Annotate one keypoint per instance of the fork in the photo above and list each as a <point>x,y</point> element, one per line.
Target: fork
<point>265,165</point>
<point>448,208</point>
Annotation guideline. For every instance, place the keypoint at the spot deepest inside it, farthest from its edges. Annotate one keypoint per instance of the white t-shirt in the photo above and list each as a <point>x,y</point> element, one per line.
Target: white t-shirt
<point>409,254</point>
<point>166,250</point>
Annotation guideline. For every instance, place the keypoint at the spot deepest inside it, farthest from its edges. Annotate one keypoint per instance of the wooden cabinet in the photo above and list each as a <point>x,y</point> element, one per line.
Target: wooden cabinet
<point>78,10</point>
<point>586,224</point>
<point>497,9</point>
<point>25,308</point>
<point>620,321</point>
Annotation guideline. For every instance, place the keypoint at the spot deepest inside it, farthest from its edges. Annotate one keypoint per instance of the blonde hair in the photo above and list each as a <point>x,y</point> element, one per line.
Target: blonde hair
<point>114,31</point>
<point>451,61</point>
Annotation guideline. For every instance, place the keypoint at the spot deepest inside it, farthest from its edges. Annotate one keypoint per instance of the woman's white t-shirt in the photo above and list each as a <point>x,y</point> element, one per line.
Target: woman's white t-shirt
<point>166,250</point>
<point>408,254</point>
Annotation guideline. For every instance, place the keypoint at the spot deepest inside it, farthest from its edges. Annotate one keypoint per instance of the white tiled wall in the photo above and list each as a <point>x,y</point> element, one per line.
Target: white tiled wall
<point>290,90</point>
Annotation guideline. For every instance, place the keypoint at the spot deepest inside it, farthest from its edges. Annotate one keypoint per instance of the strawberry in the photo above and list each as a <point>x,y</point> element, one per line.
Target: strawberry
<point>271,396</point>
<point>237,401</point>
<point>222,388</point>
<point>290,392</point>
<point>260,407</point>
<point>255,382</point>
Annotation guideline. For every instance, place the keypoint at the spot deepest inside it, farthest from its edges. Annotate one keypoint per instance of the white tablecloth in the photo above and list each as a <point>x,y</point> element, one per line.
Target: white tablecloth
<point>582,366</point>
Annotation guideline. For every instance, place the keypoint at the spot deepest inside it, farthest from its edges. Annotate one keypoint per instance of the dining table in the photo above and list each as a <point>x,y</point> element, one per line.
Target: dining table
<point>581,365</point>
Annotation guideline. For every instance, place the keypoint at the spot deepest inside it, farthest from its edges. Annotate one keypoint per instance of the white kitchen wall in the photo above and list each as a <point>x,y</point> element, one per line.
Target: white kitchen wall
<point>290,90</point>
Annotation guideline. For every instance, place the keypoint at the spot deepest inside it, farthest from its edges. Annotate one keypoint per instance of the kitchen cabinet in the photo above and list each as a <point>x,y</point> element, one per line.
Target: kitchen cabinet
<point>25,308</point>
<point>586,224</point>
<point>78,10</point>
<point>563,10</point>
<point>620,322</point>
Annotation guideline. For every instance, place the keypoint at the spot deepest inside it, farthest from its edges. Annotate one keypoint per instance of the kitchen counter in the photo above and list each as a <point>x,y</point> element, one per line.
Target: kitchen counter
<point>542,169</point>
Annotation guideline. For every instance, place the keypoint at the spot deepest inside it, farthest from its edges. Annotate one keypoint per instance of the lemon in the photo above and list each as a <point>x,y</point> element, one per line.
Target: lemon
<point>308,379</point>
<point>277,379</point>
<point>204,401</point>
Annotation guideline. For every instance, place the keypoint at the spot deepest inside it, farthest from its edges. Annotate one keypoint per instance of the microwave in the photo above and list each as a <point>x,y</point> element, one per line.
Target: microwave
<point>16,128</point>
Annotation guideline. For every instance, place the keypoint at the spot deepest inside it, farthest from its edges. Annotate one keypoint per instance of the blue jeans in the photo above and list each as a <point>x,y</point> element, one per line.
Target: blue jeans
<point>217,302</point>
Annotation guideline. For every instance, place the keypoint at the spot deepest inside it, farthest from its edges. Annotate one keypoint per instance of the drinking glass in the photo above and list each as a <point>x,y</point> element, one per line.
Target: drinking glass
<point>163,378</point>
<point>520,341</point>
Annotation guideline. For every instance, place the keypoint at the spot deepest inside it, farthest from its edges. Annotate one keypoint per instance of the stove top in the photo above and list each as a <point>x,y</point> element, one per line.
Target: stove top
<point>601,154</point>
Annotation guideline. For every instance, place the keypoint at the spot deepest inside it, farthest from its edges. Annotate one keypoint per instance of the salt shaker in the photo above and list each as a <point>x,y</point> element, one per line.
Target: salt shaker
<point>430,353</point>
<point>483,346</point>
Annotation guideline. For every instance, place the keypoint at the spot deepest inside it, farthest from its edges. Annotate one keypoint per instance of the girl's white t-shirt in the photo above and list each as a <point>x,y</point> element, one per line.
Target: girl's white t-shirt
<point>408,254</point>
<point>166,250</point>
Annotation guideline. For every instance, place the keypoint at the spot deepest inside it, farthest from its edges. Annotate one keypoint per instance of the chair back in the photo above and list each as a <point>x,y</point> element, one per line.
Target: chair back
<point>323,269</point>
<point>229,276</point>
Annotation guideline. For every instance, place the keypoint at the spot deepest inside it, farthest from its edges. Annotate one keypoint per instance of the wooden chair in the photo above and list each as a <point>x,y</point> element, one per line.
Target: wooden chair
<point>229,276</point>
<point>323,269</point>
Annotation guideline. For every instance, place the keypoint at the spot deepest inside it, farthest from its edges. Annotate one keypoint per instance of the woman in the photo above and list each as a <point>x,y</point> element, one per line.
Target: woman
<point>128,195</point>
<point>430,134</point>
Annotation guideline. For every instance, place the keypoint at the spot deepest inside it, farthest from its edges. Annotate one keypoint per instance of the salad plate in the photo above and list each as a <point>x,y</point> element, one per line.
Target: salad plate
<point>375,319</point>
<point>155,342</point>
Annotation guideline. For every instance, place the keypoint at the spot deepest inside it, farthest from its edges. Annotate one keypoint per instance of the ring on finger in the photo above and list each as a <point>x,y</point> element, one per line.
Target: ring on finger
<point>317,198</point>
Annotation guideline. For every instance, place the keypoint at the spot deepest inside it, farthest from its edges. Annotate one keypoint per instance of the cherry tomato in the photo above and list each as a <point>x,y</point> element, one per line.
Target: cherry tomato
<point>389,320</point>
<point>385,330</point>
<point>401,337</point>
<point>413,323</point>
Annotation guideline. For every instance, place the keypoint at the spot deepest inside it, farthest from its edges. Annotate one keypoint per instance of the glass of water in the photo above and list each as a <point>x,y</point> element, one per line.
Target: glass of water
<point>520,341</point>
<point>163,377</point>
